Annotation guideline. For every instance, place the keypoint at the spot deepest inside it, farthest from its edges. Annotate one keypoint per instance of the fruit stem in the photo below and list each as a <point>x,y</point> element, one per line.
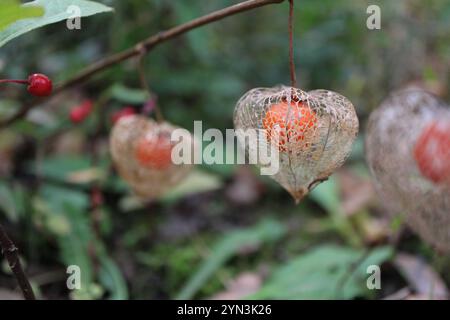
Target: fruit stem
<point>158,114</point>
<point>14,81</point>
<point>291,44</point>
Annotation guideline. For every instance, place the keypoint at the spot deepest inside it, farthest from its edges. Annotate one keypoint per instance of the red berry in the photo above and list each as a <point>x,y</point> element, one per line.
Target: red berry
<point>432,152</point>
<point>81,112</point>
<point>77,115</point>
<point>125,112</point>
<point>39,85</point>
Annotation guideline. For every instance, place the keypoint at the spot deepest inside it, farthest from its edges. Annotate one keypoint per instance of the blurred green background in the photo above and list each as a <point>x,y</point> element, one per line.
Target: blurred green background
<point>226,232</point>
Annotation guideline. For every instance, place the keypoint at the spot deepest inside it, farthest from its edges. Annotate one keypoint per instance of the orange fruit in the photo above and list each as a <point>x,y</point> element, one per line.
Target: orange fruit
<point>432,152</point>
<point>294,122</point>
<point>154,152</point>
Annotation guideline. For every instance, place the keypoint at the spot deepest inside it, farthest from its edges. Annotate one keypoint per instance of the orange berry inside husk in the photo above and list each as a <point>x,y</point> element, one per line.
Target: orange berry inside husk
<point>154,152</point>
<point>294,123</point>
<point>432,152</point>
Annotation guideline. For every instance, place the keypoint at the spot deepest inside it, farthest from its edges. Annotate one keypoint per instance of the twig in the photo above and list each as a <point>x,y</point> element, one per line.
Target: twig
<point>291,44</point>
<point>9,250</point>
<point>146,44</point>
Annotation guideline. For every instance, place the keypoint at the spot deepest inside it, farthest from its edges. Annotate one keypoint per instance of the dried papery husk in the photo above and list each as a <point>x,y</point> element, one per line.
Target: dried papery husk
<point>312,131</point>
<point>392,133</point>
<point>148,181</point>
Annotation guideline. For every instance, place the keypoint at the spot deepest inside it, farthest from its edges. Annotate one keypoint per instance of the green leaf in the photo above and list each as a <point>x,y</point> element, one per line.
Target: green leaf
<point>129,95</point>
<point>55,11</point>
<point>64,214</point>
<point>112,279</point>
<point>327,272</point>
<point>73,169</point>
<point>265,231</point>
<point>327,195</point>
<point>12,10</point>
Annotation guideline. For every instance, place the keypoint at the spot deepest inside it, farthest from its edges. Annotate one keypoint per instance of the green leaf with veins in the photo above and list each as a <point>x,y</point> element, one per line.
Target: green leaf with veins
<point>55,11</point>
<point>12,11</point>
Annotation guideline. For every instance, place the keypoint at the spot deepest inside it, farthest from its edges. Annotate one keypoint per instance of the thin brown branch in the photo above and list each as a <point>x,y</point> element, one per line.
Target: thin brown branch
<point>291,44</point>
<point>9,250</point>
<point>146,44</point>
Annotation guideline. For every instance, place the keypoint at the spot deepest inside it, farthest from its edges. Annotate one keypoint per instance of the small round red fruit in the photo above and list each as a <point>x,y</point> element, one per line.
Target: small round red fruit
<point>432,152</point>
<point>81,112</point>
<point>125,112</point>
<point>39,85</point>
